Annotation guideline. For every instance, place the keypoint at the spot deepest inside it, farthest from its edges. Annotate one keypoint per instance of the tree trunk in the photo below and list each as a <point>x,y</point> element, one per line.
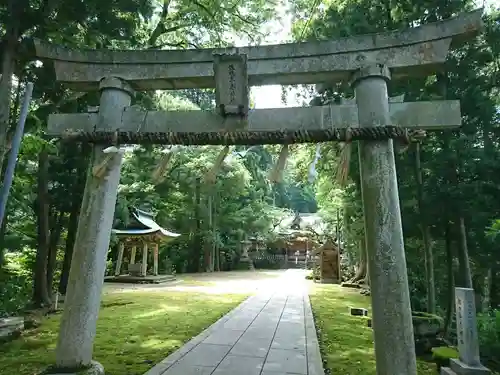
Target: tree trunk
<point>8,56</point>
<point>194,262</point>
<point>362,265</point>
<point>346,231</point>
<point>338,228</point>
<point>495,286</point>
<point>463,256</point>
<point>55,237</point>
<point>486,298</point>
<point>367,276</point>
<point>8,52</point>
<point>451,282</point>
<point>3,229</point>
<point>208,243</point>
<point>429,261</point>
<point>454,180</point>
<point>216,266</point>
<point>489,152</point>
<point>70,242</point>
<point>10,42</point>
<point>77,198</point>
<point>41,296</point>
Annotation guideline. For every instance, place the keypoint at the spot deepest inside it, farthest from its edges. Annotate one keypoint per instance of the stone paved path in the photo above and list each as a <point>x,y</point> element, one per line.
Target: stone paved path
<point>271,333</point>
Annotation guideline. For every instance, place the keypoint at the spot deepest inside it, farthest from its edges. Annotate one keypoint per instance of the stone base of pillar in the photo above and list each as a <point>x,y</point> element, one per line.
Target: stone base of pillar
<point>95,368</point>
<point>457,367</point>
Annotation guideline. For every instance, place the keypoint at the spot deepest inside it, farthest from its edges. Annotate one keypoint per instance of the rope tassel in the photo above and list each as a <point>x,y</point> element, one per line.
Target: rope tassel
<point>158,175</point>
<point>211,175</point>
<point>276,174</point>
<point>342,172</point>
<point>312,168</point>
<point>102,168</point>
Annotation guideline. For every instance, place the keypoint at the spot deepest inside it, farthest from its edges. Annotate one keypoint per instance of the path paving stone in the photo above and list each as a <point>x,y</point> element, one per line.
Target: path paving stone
<point>271,333</point>
<point>294,361</point>
<point>251,346</point>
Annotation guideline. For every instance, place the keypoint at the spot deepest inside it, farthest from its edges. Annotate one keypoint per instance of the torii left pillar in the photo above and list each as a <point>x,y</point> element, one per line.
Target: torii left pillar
<point>83,298</point>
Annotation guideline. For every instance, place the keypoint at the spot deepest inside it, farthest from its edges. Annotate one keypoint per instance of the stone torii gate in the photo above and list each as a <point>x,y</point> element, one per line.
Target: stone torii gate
<point>368,62</point>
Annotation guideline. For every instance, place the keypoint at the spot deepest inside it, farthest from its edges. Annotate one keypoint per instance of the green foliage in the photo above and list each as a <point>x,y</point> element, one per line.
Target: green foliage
<point>16,282</point>
<point>128,24</point>
<point>459,169</point>
<point>237,208</point>
<point>489,337</point>
<point>494,230</point>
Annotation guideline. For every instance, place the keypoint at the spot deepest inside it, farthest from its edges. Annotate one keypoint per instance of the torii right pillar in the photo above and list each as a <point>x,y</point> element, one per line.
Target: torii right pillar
<point>392,317</point>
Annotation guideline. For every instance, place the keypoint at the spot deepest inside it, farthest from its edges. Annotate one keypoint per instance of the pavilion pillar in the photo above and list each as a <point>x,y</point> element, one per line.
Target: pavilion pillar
<point>155,259</point>
<point>132,254</point>
<point>392,317</point>
<point>83,298</point>
<point>144,259</point>
<point>119,260</point>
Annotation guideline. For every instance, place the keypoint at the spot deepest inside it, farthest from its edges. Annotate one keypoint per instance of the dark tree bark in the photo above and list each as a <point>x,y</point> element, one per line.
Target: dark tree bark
<point>8,49</point>
<point>362,270</point>
<point>3,228</point>
<point>194,262</point>
<point>429,261</point>
<point>8,54</point>
<point>41,297</point>
<point>452,176</point>
<point>54,238</point>
<point>70,242</point>
<point>463,256</point>
<point>495,285</point>
<point>451,282</point>
<point>77,198</point>
<point>208,245</point>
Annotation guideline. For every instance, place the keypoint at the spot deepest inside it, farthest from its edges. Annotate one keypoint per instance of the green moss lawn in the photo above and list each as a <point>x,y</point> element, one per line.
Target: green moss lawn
<point>346,342</point>
<point>135,330</point>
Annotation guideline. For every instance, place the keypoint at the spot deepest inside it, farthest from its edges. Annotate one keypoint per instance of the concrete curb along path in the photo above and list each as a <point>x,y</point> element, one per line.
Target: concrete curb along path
<point>270,333</point>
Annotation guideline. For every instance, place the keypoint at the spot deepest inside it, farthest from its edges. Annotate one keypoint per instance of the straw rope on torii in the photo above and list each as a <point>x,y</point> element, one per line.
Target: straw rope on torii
<point>276,136</point>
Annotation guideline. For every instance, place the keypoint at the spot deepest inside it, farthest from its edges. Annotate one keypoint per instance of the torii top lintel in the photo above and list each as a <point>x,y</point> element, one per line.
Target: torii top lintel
<point>418,50</point>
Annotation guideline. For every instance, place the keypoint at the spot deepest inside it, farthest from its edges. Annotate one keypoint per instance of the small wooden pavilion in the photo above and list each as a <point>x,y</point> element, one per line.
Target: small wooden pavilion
<point>142,231</point>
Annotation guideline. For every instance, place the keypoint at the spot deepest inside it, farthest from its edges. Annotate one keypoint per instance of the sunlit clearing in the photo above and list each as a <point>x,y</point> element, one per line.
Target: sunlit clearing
<point>160,344</point>
<point>164,309</point>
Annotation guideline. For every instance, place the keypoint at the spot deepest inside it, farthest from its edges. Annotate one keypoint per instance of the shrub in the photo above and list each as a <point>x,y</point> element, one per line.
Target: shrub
<point>16,282</point>
<point>489,337</point>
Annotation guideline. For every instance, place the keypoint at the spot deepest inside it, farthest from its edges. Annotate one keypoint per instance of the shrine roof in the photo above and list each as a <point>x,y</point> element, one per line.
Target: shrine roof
<point>143,223</point>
